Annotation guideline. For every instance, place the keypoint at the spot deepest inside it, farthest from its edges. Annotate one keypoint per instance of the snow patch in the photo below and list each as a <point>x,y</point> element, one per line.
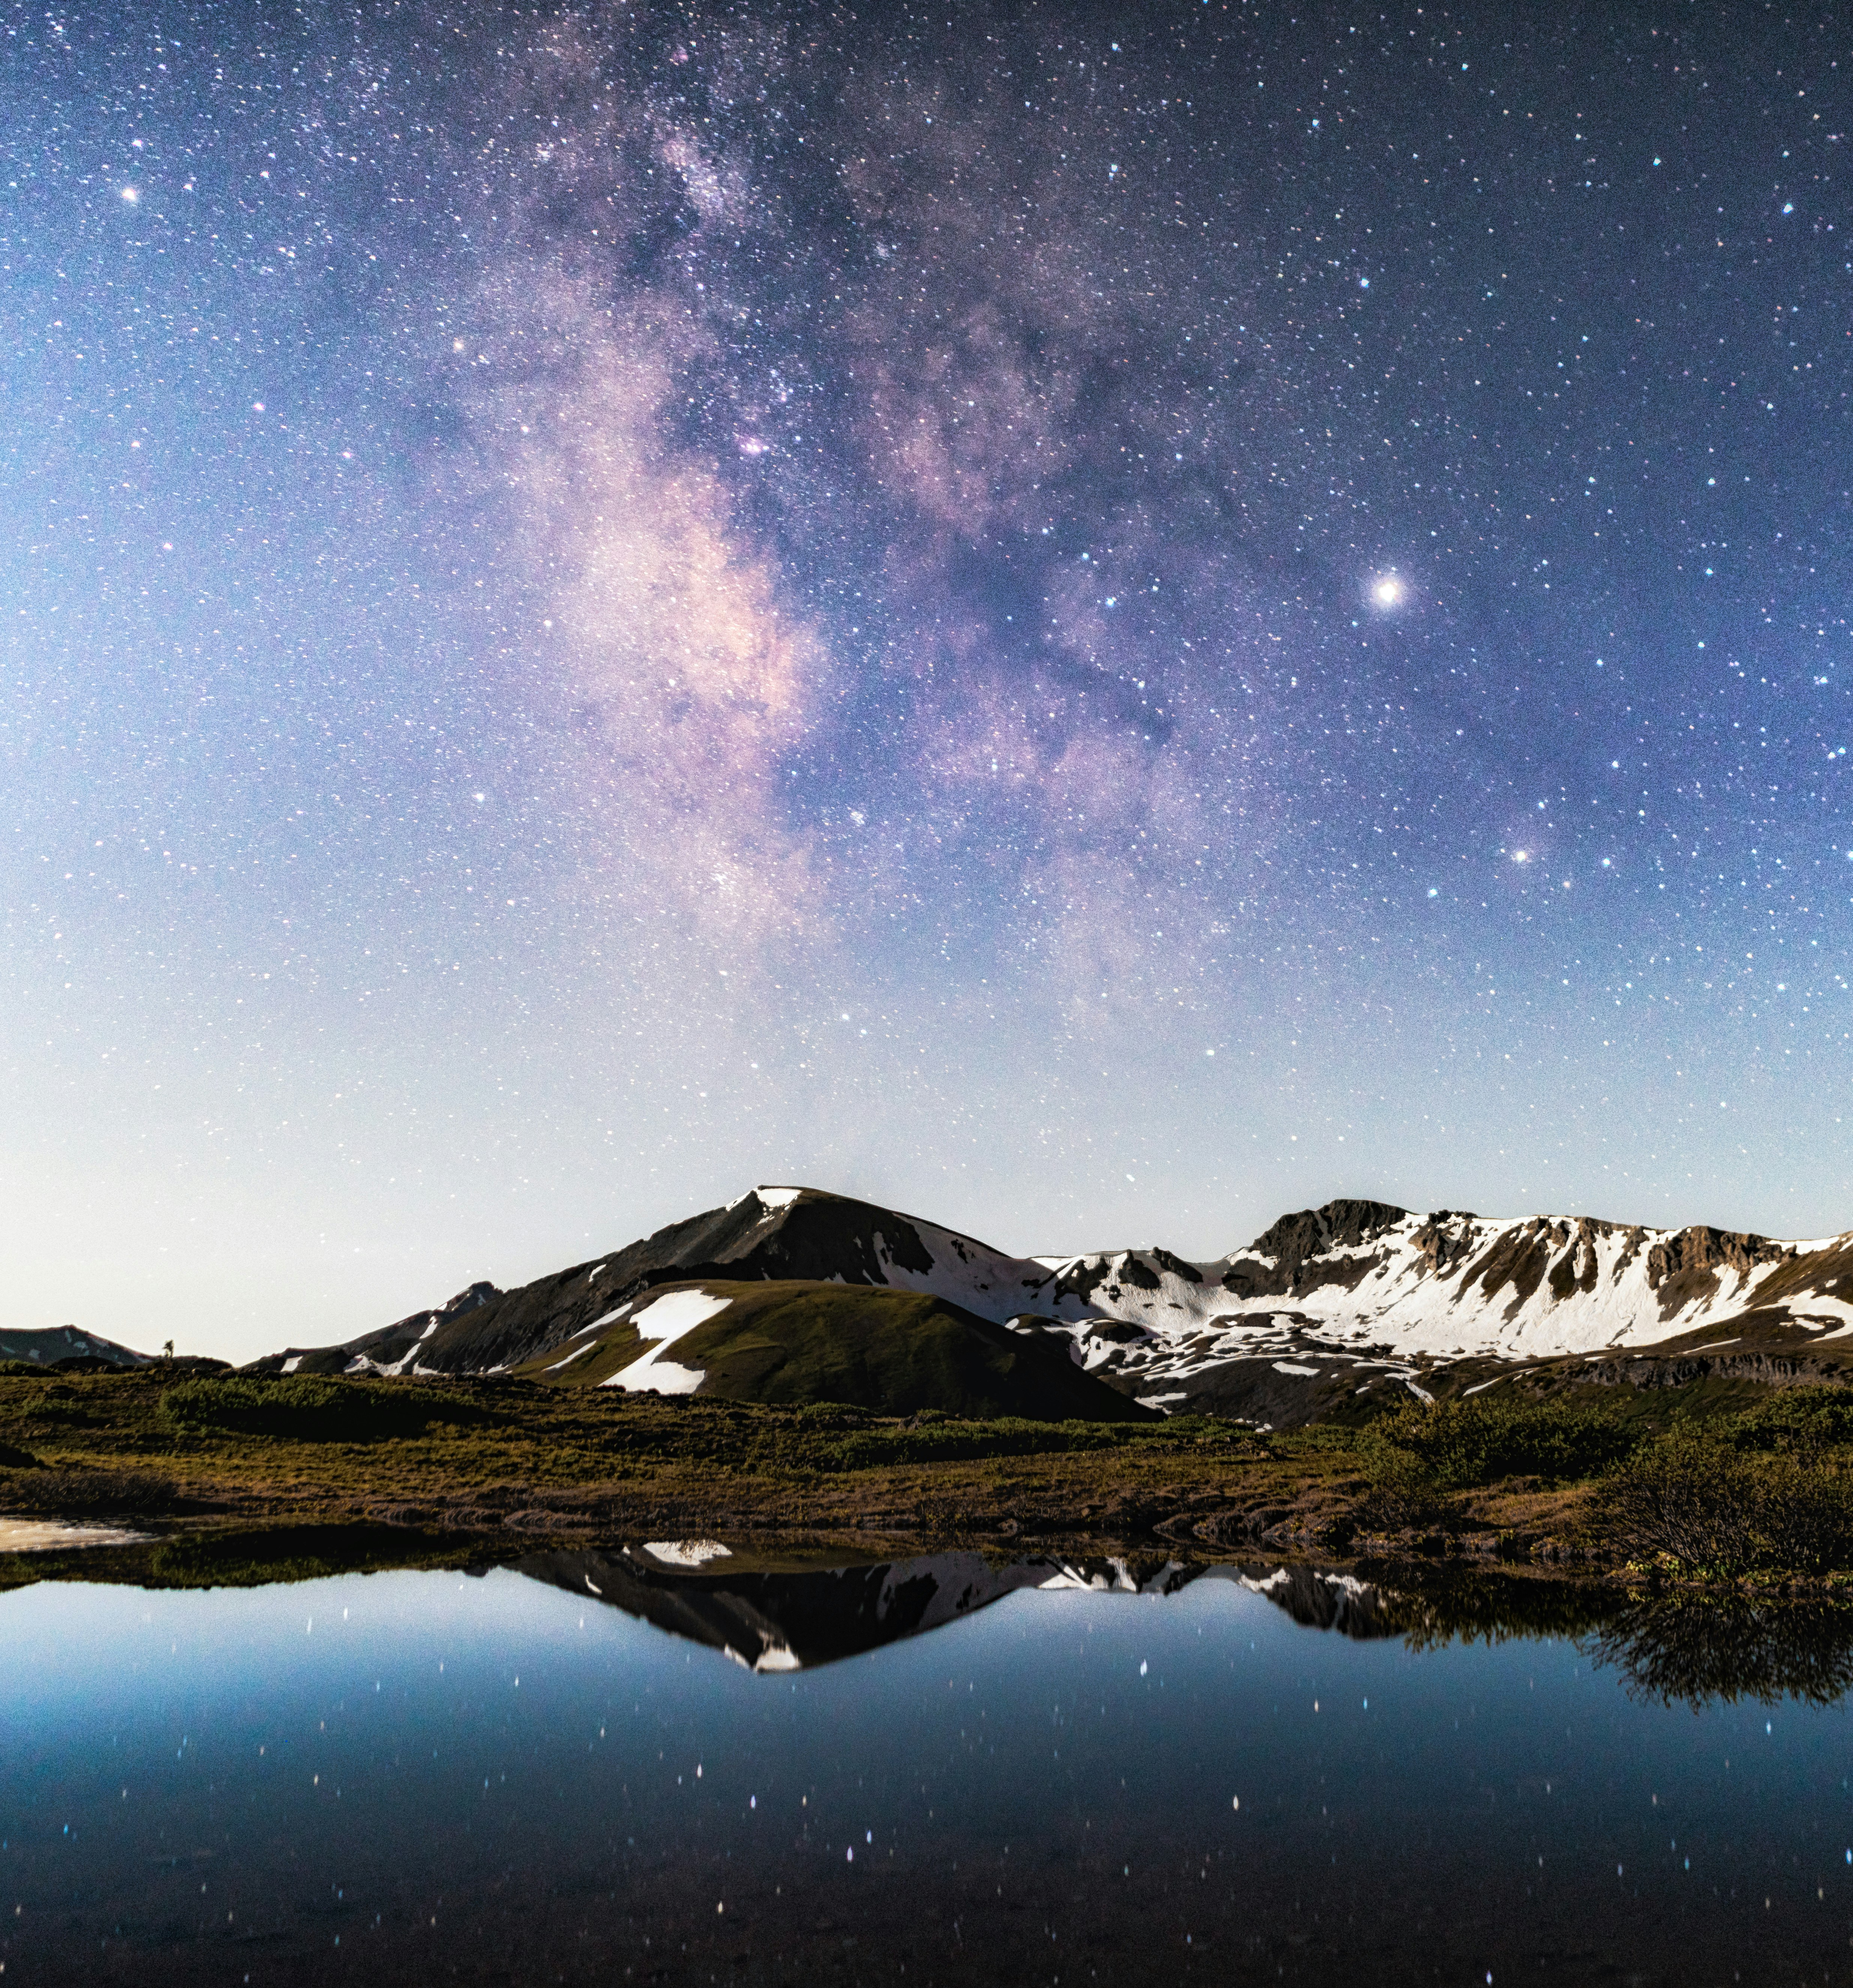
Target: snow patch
<point>663,1375</point>
<point>664,1321</point>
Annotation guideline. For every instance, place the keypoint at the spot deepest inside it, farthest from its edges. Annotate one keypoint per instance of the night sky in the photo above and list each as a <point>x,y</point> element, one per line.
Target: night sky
<point>1095,623</point>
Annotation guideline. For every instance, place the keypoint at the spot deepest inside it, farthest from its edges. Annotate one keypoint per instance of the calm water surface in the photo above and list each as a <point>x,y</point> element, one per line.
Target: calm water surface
<point>431,1776</point>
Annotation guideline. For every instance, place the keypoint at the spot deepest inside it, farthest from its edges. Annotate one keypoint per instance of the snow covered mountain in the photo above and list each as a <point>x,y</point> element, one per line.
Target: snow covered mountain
<point>1359,1292</point>
<point>1327,1302</point>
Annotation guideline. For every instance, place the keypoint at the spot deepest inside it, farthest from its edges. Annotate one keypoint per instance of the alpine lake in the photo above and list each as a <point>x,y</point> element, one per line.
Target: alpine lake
<point>690,1761</point>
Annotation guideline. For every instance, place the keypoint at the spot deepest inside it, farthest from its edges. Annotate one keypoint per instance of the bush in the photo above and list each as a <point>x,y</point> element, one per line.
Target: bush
<point>309,1407</point>
<point>1451,1445</point>
<point>87,1494</point>
<point>833,1441</point>
<point>1694,1500</point>
<point>1801,1420</point>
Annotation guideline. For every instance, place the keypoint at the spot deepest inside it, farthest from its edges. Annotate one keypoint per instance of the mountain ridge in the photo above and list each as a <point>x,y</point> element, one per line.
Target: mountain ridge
<point>1355,1287</point>
<point>43,1346</point>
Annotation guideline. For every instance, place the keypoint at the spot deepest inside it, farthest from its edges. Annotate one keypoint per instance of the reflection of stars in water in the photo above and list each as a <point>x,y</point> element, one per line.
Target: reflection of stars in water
<point>1387,590</point>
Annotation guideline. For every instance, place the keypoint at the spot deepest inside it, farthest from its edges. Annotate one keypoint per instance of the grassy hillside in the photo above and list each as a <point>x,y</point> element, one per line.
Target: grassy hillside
<point>890,1352</point>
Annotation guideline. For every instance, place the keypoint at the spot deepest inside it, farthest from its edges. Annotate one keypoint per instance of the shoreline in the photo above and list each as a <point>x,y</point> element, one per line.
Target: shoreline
<point>517,1465</point>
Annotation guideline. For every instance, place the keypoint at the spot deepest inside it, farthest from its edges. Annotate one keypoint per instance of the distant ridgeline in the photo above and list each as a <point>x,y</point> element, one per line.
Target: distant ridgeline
<point>65,1342</point>
<point>792,1294</point>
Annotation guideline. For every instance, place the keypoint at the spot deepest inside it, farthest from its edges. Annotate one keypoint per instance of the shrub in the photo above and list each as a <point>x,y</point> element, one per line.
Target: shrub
<point>1693,1498</point>
<point>833,1443</point>
<point>1451,1446</point>
<point>1804,1420</point>
<point>309,1407</point>
<point>83,1494</point>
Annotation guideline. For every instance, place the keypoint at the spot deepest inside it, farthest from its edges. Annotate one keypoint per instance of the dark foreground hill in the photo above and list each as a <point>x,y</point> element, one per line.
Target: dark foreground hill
<point>786,1234</point>
<point>790,1342</point>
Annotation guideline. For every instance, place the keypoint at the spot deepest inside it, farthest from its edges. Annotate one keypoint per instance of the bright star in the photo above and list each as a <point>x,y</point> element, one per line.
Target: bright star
<point>131,195</point>
<point>1387,591</point>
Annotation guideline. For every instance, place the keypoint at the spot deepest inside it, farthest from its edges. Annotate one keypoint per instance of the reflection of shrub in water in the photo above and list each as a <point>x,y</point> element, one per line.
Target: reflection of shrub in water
<point>286,1553</point>
<point>1686,1650</point>
<point>1676,1649</point>
<point>1695,1499</point>
<point>1432,1609</point>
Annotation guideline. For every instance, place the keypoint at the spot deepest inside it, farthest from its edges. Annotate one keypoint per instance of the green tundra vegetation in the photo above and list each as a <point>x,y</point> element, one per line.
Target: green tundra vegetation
<point>1599,1479</point>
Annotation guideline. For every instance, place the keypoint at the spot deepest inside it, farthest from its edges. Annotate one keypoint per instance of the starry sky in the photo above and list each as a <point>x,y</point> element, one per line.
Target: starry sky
<point>1098,623</point>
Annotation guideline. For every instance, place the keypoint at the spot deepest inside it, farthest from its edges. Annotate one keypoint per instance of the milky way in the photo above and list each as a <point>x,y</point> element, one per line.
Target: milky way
<point>1100,624</point>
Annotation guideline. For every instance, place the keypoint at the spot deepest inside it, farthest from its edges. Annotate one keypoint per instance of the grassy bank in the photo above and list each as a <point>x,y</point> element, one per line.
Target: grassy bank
<point>1602,1479</point>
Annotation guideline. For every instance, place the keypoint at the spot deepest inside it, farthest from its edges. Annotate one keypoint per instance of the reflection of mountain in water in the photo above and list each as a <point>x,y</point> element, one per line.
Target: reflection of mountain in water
<point>1316,1599</point>
<point>1685,1649</point>
<point>787,1620</point>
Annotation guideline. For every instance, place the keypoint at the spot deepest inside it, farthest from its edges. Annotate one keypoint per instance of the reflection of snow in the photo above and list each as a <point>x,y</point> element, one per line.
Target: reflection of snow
<point>686,1553</point>
<point>1117,1579</point>
<point>41,1535</point>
